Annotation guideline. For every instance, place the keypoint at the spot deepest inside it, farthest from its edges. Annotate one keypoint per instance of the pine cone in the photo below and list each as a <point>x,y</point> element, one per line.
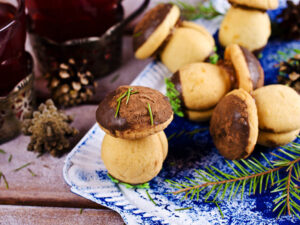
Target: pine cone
<point>71,84</point>
<point>290,25</point>
<point>290,73</point>
<point>49,130</point>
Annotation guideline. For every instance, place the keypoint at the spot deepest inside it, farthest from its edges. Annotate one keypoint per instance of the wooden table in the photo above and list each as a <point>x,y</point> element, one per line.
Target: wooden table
<point>46,198</point>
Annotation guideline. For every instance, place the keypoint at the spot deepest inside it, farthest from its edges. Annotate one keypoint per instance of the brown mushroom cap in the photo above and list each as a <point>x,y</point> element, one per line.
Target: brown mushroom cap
<point>133,119</point>
<point>234,125</point>
<point>153,29</point>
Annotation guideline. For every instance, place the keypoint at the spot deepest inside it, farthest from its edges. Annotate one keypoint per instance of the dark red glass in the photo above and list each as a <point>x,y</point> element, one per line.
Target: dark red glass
<point>62,20</point>
<point>13,63</point>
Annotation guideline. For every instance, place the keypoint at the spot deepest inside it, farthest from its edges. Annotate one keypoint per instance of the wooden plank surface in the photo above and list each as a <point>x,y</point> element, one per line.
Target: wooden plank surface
<point>25,215</point>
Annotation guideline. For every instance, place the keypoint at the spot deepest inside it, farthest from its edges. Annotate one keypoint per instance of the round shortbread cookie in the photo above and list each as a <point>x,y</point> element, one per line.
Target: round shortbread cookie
<point>278,108</point>
<point>234,125</point>
<point>202,85</point>
<point>134,161</point>
<point>189,43</point>
<point>257,4</point>
<point>248,28</point>
<point>273,140</point>
<point>153,29</point>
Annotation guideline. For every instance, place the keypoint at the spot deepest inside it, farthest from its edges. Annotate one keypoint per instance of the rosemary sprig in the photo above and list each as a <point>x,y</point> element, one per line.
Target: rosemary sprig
<point>150,198</point>
<point>193,12</point>
<point>4,178</point>
<point>10,158</point>
<point>150,114</point>
<point>181,209</point>
<point>31,172</point>
<point>253,173</point>
<point>119,100</point>
<point>22,167</point>
<point>174,99</point>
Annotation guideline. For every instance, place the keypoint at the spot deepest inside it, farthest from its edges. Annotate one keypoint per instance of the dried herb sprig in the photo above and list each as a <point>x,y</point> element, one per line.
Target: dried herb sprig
<point>130,186</point>
<point>200,10</point>
<point>253,173</point>
<point>174,99</point>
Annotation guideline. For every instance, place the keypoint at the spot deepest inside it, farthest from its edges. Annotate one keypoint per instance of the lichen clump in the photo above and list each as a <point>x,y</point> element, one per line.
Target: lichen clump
<point>49,129</point>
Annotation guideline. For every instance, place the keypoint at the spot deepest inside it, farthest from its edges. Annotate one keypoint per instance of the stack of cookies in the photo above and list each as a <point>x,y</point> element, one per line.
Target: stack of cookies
<point>278,109</point>
<point>246,23</point>
<point>161,33</point>
<point>200,86</point>
<point>135,145</point>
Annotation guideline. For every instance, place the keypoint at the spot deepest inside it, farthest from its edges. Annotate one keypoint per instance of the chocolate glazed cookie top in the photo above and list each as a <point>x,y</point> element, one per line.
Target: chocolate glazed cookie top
<point>134,115</point>
<point>255,70</point>
<point>229,127</point>
<point>149,23</point>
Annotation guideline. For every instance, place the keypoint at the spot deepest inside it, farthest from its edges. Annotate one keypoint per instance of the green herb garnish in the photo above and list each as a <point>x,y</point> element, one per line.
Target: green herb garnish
<point>150,113</point>
<point>31,172</point>
<point>2,151</point>
<point>174,99</point>
<point>10,158</point>
<point>150,198</point>
<point>193,12</point>
<point>22,167</point>
<point>181,209</point>
<point>127,93</point>
<point>5,181</point>
<point>137,34</point>
<point>115,78</point>
<point>130,186</point>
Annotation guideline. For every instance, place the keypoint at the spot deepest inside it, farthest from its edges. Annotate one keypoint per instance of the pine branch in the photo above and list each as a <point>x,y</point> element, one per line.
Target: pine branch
<point>253,172</point>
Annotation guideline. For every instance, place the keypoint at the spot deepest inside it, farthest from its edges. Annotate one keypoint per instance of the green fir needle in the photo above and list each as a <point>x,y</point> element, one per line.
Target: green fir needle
<point>150,198</point>
<point>22,167</point>
<point>181,209</point>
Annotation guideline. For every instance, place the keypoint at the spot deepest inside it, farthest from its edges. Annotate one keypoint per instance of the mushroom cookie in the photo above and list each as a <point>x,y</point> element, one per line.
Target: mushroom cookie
<point>135,145</point>
<point>243,68</point>
<point>278,109</point>
<point>234,125</point>
<point>161,33</point>
<point>246,23</point>
<point>195,89</point>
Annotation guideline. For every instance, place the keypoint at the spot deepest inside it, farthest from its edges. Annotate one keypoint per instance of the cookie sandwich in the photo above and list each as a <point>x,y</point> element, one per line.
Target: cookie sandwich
<point>243,68</point>
<point>135,145</point>
<point>246,23</point>
<point>195,89</point>
<point>234,125</point>
<point>161,33</point>
<point>278,109</point>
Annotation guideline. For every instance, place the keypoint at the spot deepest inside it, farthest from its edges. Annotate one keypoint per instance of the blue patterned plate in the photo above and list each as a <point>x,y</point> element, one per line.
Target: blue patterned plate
<point>84,170</point>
